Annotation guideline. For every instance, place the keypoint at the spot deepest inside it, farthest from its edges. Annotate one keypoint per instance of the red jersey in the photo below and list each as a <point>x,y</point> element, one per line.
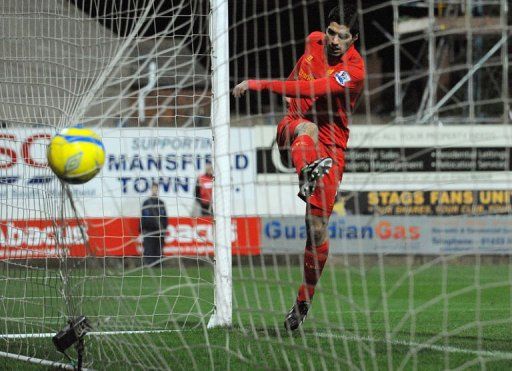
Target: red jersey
<point>204,188</point>
<point>321,93</point>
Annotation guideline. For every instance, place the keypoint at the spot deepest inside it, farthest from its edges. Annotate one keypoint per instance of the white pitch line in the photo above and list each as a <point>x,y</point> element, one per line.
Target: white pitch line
<point>92,333</point>
<point>420,346</point>
<point>411,344</point>
<point>39,361</point>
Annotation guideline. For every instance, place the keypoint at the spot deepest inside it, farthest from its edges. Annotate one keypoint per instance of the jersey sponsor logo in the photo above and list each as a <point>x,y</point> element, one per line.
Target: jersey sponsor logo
<point>305,76</point>
<point>342,77</point>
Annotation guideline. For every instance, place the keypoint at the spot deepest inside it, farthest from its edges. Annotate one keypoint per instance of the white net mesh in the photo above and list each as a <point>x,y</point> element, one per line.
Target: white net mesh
<point>138,73</point>
<point>418,273</point>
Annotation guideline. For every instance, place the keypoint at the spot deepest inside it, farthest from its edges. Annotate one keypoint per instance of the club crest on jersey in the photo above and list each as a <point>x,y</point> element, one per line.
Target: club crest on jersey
<point>342,77</point>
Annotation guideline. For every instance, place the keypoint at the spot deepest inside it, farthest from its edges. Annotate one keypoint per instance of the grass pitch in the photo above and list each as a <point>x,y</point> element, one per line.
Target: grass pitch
<point>435,316</point>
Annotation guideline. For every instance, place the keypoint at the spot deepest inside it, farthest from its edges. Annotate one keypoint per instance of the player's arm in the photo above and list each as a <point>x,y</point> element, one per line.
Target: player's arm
<point>336,85</point>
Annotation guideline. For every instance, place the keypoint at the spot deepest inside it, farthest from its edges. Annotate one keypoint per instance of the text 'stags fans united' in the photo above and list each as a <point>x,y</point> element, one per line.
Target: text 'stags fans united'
<point>76,155</point>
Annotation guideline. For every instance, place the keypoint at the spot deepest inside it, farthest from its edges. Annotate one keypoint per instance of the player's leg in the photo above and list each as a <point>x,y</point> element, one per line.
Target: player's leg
<point>315,257</point>
<point>300,138</point>
<point>161,249</point>
<point>303,145</point>
<point>316,252</point>
<point>147,243</point>
<point>318,211</point>
<point>309,165</point>
<point>145,249</point>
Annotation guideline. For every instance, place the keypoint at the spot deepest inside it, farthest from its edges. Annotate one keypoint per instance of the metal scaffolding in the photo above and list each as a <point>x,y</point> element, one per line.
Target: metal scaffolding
<point>451,61</point>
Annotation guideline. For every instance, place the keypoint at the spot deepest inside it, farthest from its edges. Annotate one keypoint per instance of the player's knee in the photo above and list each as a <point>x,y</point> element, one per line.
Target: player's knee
<point>307,128</point>
<point>312,131</point>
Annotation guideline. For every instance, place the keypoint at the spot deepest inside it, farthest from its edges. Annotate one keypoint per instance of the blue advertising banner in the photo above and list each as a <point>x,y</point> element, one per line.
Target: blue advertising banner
<point>355,234</point>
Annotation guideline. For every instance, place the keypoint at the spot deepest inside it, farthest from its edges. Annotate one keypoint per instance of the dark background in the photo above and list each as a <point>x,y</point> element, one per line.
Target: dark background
<point>266,36</point>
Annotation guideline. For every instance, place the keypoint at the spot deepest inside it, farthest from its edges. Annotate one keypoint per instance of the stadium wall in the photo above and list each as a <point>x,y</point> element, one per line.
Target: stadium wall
<point>405,191</point>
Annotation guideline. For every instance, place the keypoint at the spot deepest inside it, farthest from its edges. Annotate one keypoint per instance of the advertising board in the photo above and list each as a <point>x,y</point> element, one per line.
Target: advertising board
<point>395,235</point>
<point>135,158</point>
<point>119,237</point>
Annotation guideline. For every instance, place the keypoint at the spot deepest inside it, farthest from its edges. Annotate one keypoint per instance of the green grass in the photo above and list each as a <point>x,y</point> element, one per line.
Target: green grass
<point>428,317</point>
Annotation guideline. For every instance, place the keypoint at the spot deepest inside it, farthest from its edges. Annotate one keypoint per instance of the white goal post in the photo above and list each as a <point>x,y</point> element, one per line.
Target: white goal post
<point>222,167</point>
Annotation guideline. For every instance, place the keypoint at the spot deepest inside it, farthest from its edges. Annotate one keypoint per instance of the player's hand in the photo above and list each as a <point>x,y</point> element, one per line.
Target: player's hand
<point>240,89</point>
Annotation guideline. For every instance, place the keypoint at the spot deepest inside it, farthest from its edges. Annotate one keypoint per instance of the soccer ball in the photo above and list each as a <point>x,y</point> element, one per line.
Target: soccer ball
<point>76,155</point>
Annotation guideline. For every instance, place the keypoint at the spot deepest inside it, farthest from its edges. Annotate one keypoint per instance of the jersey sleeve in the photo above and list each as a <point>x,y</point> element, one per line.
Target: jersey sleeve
<point>349,80</point>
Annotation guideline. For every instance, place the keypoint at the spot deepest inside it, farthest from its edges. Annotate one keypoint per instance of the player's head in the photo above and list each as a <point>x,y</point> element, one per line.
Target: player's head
<point>342,29</point>
<point>154,189</point>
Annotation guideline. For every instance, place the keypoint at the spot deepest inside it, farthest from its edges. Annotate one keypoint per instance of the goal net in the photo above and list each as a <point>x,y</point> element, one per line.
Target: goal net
<point>419,270</point>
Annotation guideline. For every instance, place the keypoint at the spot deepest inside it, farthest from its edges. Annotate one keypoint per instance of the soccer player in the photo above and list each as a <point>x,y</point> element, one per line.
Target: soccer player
<point>204,190</point>
<point>321,90</point>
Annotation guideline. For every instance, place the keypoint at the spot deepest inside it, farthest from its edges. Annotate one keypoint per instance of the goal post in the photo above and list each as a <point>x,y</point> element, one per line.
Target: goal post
<point>222,315</point>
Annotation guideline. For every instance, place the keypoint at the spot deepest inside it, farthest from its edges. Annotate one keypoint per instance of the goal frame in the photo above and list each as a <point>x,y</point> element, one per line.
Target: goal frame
<point>223,281</point>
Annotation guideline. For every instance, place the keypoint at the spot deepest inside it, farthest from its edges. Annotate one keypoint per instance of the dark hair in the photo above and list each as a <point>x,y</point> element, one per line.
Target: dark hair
<point>345,14</point>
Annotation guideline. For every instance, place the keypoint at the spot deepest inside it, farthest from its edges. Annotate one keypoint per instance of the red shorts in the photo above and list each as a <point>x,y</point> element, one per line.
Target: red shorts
<point>322,200</point>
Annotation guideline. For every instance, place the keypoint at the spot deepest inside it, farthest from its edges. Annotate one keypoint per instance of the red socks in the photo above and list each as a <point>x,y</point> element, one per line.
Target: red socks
<point>303,152</point>
<point>314,261</point>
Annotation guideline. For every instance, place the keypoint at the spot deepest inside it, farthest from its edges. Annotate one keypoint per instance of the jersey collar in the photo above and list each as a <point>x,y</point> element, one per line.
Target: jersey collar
<point>345,57</point>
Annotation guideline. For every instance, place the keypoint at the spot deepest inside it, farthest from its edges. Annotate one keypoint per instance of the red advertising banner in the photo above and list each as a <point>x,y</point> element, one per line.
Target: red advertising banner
<point>20,239</point>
